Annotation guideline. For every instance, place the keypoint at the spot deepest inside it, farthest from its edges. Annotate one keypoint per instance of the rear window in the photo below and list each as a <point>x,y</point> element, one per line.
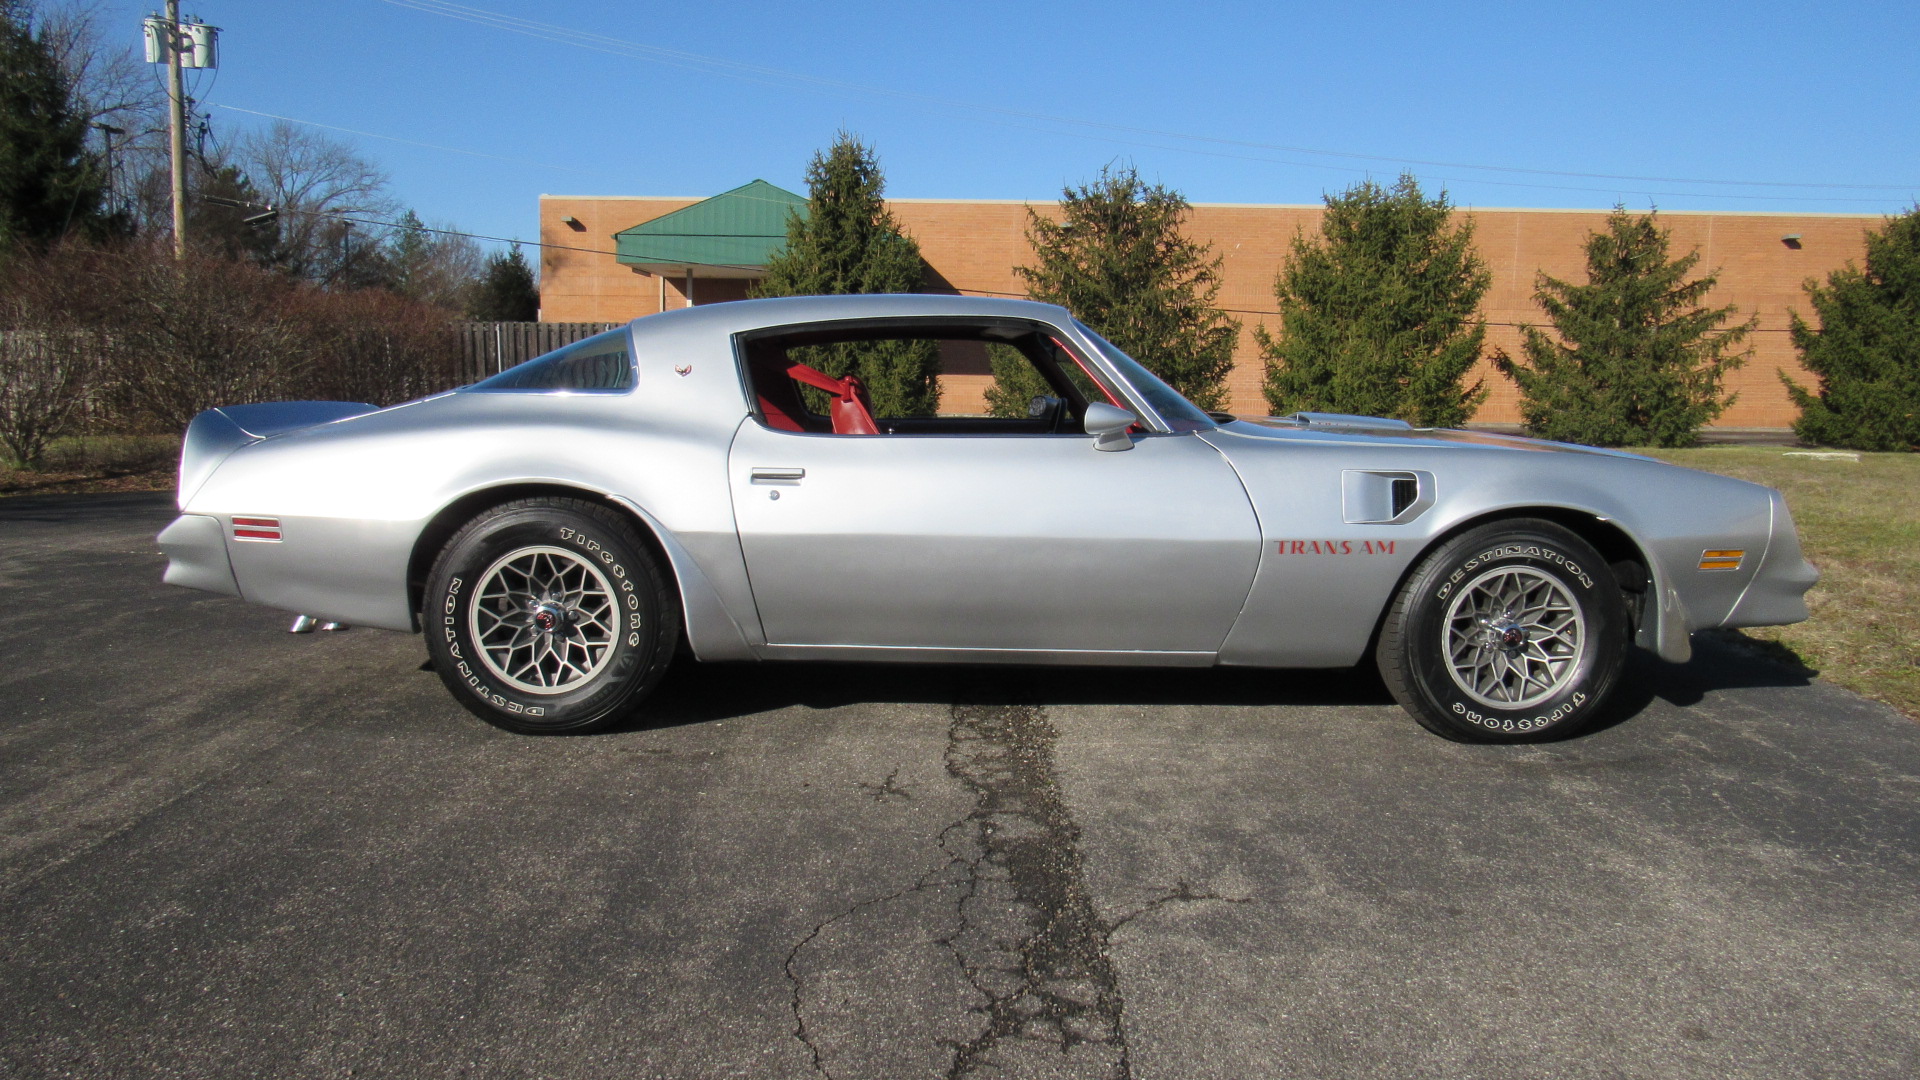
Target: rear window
<point>599,363</point>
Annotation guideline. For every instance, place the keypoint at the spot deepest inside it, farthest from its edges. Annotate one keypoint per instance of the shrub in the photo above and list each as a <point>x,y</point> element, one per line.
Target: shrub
<point>1638,361</point>
<point>1866,353</point>
<point>1117,260</point>
<point>1378,313</point>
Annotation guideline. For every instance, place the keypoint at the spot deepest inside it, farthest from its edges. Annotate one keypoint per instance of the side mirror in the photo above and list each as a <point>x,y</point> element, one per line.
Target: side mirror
<point>1109,424</point>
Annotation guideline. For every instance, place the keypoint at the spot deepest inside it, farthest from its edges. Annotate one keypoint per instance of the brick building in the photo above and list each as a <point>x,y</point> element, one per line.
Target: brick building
<point>617,257</point>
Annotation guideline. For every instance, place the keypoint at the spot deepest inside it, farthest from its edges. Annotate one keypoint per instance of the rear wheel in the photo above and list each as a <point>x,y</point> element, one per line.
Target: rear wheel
<point>1511,632</point>
<point>548,616</point>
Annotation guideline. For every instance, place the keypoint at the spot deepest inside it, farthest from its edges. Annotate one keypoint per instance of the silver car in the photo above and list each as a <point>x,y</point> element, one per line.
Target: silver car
<point>559,530</point>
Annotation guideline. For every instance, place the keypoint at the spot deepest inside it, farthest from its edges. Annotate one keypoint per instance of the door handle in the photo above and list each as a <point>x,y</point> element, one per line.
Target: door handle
<point>763,474</point>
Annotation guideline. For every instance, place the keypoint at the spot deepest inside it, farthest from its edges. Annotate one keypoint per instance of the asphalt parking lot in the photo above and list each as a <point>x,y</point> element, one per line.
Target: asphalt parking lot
<point>232,851</point>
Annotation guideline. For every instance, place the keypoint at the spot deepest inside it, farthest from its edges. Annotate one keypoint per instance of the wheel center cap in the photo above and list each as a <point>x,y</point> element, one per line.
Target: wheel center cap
<point>1513,636</point>
<point>549,617</point>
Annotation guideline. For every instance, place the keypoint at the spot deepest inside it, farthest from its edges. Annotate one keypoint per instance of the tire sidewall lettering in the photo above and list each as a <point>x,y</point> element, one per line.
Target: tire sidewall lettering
<point>1524,552</point>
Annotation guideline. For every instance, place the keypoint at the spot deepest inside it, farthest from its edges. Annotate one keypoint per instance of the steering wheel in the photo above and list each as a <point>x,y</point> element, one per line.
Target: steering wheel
<point>1051,410</point>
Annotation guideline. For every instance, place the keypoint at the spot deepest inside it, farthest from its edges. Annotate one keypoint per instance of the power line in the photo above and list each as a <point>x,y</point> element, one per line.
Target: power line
<point>759,73</point>
<point>408,142</point>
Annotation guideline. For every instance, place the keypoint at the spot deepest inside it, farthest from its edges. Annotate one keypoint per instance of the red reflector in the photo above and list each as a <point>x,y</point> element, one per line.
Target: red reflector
<point>256,528</point>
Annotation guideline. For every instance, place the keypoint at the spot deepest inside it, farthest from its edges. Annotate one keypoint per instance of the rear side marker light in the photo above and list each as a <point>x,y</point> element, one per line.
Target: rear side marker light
<point>264,530</point>
<point>1721,560</point>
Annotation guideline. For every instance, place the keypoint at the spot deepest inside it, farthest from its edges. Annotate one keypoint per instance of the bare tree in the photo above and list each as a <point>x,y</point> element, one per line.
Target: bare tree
<point>318,183</point>
<point>200,332</point>
<point>125,104</point>
<point>49,351</point>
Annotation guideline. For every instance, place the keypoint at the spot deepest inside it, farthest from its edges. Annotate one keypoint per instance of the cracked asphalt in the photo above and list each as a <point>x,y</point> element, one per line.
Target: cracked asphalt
<point>230,851</point>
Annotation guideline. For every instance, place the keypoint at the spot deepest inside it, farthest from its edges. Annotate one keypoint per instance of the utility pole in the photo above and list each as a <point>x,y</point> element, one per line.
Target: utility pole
<point>107,132</point>
<point>177,129</point>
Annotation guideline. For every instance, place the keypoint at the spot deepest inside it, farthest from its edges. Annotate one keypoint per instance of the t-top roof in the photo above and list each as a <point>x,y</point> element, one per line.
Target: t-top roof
<point>737,229</point>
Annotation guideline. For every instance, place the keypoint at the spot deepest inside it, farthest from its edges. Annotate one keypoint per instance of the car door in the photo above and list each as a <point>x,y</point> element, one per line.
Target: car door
<point>1031,542</point>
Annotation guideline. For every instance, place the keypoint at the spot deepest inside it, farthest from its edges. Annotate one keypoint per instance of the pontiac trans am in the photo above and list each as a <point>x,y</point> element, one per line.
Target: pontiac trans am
<point>701,478</point>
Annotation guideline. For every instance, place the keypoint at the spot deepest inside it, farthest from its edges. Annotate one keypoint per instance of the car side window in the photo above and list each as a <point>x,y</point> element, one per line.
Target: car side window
<point>993,377</point>
<point>599,363</point>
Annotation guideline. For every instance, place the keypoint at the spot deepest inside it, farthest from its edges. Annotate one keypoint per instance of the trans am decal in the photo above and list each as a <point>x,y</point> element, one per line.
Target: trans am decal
<point>1335,547</point>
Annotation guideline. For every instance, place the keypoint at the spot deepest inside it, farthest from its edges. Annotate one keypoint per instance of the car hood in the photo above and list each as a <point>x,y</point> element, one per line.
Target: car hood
<point>1389,432</point>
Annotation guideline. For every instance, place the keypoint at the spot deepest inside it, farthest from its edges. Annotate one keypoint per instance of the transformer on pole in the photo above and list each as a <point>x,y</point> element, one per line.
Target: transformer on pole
<point>177,45</point>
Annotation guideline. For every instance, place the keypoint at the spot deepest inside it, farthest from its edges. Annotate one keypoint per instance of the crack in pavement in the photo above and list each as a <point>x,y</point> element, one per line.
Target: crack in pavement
<point>1029,939</point>
<point>887,788</point>
<point>1040,992</point>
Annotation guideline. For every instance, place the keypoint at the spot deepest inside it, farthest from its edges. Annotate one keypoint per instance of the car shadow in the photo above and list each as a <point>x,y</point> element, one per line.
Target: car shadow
<point>695,693</point>
<point>1722,660</point>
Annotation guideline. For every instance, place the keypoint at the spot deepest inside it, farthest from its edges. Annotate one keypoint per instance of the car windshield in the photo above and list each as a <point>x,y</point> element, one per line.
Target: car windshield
<point>1179,413</point>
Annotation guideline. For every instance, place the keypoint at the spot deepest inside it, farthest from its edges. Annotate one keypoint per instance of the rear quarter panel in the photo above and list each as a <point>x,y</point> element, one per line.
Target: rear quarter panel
<point>353,497</point>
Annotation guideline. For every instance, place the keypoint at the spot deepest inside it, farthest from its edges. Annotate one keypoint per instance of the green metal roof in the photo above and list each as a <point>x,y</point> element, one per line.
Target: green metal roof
<point>738,228</point>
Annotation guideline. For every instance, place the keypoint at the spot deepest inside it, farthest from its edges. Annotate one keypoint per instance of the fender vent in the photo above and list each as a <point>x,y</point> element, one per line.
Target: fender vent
<point>1406,492</point>
<point>1384,498</point>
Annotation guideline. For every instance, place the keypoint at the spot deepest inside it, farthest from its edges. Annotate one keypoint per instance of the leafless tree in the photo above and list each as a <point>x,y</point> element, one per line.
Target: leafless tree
<point>49,348</point>
<point>200,332</point>
<point>123,99</point>
<point>318,183</point>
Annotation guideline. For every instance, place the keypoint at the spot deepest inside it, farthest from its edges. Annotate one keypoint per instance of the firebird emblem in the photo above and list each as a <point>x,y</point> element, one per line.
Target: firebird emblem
<point>683,369</point>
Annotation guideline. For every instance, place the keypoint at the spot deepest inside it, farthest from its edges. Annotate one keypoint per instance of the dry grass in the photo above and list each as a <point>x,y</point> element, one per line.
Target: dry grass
<point>1860,524</point>
<point>98,463</point>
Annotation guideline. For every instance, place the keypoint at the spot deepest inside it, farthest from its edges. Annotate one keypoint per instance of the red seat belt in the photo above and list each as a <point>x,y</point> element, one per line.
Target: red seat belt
<point>849,408</point>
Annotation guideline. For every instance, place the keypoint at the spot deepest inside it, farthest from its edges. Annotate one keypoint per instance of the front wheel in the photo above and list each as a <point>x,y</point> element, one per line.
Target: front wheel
<point>1511,632</point>
<point>548,616</point>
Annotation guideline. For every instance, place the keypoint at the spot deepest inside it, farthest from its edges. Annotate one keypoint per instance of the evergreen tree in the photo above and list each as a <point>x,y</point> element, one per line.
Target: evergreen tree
<point>1637,361</point>
<point>434,266</point>
<point>1117,260</point>
<point>1378,313</point>
<point>215,224</point>
<point>410,254</point>
<point>50,184</point>
<point>1866,352</point>
<point>848,242</point>
<point>506,292</point>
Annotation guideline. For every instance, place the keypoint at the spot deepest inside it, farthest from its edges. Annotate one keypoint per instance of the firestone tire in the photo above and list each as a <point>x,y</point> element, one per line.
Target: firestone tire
<point>549,616</point>
<point>1511,632</point>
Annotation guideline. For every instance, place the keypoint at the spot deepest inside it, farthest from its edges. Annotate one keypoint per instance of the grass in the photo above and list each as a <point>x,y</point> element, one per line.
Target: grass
<point>97,463</point>
<point>1860,524</point>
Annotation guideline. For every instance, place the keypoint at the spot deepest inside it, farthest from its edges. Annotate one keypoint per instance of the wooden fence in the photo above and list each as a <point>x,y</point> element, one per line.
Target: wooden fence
<point>490,347</point>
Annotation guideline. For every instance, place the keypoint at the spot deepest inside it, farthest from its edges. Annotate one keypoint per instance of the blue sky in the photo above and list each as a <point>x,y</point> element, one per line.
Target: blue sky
<point>1789,107</point>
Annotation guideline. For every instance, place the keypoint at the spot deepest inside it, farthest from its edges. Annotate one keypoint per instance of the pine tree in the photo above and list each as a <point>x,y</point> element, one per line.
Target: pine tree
<point>50,185</point>
<point>1866,353</point>
<point>435,266</point>
<point>410,253</point>
<point>848,242</point>
<point>1117,260</point>
<point>1637,361</point>
<point>218,207</point>
<point>507,292</point>
<point>1378,313</point>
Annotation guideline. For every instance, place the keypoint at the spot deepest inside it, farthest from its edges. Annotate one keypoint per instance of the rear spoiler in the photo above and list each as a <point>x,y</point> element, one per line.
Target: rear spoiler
<point>218,432</point>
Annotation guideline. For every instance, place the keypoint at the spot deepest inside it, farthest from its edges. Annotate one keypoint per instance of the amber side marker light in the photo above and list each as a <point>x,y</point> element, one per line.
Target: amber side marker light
<point>1721,560</point>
